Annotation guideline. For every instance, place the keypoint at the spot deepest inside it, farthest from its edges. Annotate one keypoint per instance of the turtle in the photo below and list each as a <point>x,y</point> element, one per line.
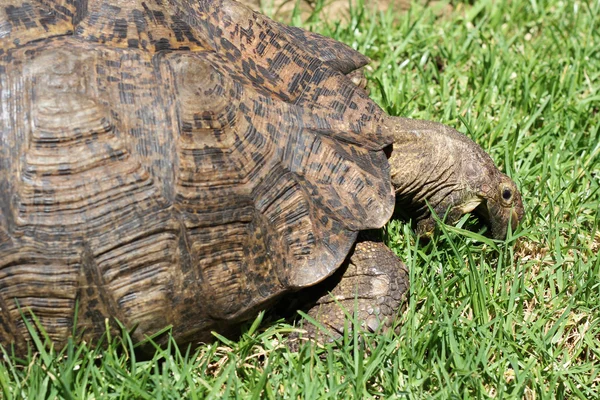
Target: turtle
<point>187,164</point>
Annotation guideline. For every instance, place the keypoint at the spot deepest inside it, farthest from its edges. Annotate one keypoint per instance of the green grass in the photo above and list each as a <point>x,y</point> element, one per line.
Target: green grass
<point>485,319</point>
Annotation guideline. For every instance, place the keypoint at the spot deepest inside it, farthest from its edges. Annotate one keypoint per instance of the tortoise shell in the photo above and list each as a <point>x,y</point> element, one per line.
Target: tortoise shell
<point>178,163</point>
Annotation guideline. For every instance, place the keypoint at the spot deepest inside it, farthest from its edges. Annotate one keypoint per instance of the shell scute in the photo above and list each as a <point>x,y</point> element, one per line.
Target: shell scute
<point>21,22</point>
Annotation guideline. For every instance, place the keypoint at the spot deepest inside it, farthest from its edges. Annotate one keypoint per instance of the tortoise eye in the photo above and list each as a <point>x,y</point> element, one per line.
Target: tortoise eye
<point>506,194</point>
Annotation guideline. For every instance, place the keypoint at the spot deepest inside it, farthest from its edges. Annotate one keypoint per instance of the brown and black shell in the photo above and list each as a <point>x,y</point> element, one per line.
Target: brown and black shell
<point>176,163</point>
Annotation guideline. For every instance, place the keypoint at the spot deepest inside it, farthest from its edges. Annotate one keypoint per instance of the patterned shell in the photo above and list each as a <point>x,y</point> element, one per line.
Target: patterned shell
<point>175,162</point>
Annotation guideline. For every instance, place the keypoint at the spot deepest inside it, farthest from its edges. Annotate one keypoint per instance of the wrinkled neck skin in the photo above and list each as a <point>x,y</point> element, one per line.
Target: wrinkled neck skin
<point>433,163</point>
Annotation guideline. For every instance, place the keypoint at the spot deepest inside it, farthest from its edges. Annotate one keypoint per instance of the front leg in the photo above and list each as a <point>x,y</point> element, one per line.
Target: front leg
<point>373,283</point>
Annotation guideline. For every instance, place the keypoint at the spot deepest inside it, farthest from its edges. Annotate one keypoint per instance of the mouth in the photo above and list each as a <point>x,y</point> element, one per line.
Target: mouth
<point>483,212</point>
<point>498,221</point>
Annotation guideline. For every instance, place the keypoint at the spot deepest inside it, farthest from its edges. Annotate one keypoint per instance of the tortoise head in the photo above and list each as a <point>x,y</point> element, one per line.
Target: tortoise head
<point>436,166</point>
<point>501,204</point>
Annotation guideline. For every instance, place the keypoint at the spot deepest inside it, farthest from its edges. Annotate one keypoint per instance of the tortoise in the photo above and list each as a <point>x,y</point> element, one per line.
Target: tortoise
<point>189,163</point>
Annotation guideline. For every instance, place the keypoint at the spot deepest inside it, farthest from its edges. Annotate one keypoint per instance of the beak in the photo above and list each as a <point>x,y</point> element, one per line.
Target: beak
<point>514,219</point>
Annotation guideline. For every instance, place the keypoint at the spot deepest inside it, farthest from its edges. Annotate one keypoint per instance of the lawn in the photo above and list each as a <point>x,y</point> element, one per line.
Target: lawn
<point>485,319</point>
